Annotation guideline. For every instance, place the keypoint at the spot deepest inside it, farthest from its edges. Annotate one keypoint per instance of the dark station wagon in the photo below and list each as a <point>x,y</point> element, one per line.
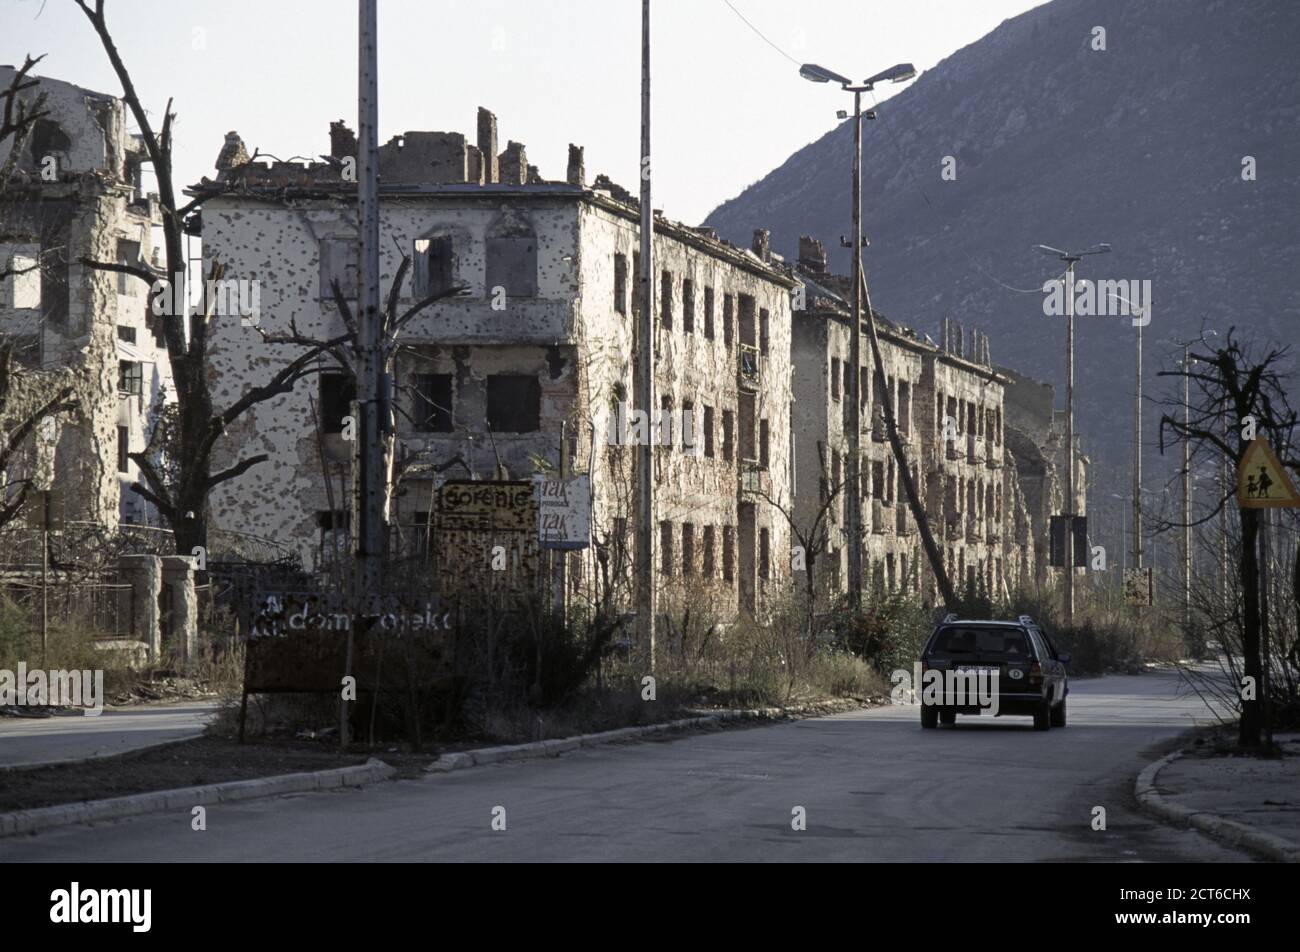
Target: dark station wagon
<point>1030,673</point>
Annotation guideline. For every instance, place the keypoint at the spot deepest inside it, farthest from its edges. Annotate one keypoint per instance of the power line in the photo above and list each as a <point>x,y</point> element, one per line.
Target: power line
<point>759,33</point>
<point>902,161</point>
<point>929,204</point>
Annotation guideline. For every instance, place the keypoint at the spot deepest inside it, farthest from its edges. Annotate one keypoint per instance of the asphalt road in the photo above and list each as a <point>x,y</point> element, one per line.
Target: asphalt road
<point>28,740</point>
<point>874,786</point>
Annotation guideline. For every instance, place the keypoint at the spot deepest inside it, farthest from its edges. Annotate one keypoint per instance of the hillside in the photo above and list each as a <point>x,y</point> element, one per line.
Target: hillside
<point>1139,145</point>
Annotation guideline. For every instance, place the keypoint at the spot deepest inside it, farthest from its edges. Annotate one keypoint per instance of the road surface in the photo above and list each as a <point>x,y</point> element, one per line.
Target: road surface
<point>29,740</point>
<point>874,787</point>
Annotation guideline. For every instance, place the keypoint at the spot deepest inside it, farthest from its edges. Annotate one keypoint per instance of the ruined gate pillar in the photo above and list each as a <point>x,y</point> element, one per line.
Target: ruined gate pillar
<point>144,574</point>
<point>183,627</point>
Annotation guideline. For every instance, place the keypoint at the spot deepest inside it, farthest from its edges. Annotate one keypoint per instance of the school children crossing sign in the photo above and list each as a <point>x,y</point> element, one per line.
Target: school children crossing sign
<point>1262,483</point>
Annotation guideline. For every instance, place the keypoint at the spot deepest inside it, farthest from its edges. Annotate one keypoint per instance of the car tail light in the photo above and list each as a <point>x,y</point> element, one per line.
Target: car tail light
<point>1035,673</point>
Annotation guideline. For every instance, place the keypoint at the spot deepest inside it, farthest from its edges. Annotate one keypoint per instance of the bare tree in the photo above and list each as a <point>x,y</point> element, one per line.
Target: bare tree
<point>25,421</point>
<point>1234,385</point>
<point>345,348</point>
<point>17,119</point>
<point>182,499</point>
<point>812,537</point>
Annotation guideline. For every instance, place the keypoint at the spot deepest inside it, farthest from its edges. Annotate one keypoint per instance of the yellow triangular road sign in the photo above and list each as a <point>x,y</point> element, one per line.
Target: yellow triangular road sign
<point>1262,483</point>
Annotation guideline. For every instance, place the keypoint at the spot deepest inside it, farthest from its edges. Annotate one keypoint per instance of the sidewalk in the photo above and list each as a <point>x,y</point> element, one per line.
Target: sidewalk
<point>1250,802</point>
<point>73,736</point>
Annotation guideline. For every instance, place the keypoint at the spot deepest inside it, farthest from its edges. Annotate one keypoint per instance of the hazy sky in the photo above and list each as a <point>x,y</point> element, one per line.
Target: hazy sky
<point>727,106</point>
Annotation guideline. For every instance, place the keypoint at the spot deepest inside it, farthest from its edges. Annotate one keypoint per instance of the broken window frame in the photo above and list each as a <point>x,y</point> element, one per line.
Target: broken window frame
<point>433,265</point>
<point>432,410</point>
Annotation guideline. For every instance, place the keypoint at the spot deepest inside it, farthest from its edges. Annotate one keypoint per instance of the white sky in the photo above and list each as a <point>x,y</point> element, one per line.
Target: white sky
<point>727,107</point>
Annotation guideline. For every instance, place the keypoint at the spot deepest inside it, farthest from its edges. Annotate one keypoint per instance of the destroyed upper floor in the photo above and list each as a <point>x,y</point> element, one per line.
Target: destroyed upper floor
<point>79,132</point>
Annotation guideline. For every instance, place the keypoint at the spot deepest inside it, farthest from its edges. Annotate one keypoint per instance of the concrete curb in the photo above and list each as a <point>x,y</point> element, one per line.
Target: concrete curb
<point>67,814</point>
<point>1241,835</point>
<point>553,748</point>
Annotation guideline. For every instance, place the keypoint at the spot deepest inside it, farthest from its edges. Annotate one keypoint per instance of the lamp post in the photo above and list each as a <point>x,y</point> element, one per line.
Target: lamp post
<point>853,503</point>
<point>1070,261</point>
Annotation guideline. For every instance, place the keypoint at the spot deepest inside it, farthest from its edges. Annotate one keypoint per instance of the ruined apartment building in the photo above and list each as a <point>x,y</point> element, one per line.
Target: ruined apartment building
<point>1036,437</point>
<point>77,192</point>
<point>949,406</point>
<point>538,349</point>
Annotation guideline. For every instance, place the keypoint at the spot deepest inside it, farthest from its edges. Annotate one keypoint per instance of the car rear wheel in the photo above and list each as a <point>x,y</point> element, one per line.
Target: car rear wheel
<point>947,716</point>
<point>929,716</point>
<point>1043,716</point>
<point>1058,714</point>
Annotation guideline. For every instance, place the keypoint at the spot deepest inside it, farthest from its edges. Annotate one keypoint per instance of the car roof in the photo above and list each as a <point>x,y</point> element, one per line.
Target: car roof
<point>969,623</point>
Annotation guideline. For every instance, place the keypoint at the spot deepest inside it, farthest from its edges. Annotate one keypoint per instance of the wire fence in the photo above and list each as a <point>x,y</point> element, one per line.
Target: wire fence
<point>103,609</point>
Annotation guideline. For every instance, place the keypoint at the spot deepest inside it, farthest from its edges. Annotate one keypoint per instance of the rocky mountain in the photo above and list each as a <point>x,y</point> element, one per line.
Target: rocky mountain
<point>1148,143</point>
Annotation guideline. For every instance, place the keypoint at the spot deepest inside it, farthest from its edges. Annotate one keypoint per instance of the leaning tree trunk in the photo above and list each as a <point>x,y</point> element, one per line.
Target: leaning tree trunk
<point>1251,708</point>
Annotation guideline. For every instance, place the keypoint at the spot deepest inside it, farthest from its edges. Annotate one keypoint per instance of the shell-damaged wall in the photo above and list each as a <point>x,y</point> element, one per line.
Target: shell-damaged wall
<point>565,331</point>
<point>471,337</point>
<point>891,550</point>
<point>697,368</point>
<point>75,194</point>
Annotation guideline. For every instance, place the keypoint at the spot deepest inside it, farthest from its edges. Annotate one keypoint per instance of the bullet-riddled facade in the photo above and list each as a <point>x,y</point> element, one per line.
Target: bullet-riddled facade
<point>537,351</point>
<point>77,192</point>
<point>950,406</point>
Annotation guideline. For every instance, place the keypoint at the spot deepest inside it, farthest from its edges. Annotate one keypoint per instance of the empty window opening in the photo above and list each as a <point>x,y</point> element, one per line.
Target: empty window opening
<point>431,403</point>
<point>514,403</point>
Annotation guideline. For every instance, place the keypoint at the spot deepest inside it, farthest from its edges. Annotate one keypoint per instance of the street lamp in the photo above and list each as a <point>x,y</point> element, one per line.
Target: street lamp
<point>1070,259</point>
<point>819,74</point>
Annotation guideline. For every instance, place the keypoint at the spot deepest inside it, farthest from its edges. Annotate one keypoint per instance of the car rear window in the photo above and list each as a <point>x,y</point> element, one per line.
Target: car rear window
<point>1002,642</point>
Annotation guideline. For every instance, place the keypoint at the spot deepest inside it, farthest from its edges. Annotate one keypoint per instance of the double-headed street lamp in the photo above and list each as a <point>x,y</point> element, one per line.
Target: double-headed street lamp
<point>1070,259</point>
<point>819,74</point>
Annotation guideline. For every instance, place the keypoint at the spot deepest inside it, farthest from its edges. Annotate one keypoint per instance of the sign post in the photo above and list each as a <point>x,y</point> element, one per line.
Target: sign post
<point>1262,483</point>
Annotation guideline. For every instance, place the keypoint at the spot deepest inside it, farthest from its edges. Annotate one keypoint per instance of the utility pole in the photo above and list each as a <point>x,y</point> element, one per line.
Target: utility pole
<point>853,515</point>
<point>1070,261</point>
<point>1264,687</point>
<point>45,578</point>
<point>645,524</point>
<point>370,542</point>
<point>898,73</point>
<point>1069,439</point>
<point>1137,457</point>
<point>1225,485</point>
<point>1187,494</point>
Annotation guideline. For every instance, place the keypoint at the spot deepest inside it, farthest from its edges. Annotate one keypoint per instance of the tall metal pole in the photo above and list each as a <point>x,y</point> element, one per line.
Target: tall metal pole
<point>1264,687</point>
<point>370,545</point>
<point>1187,494</point>
<point>369,539</point>
<point>1137,457</point>
<point>853,502</point>
<point>645,524</point>
<point>1224,489</point>
<point>1069,440</point>
<point>45,581</point>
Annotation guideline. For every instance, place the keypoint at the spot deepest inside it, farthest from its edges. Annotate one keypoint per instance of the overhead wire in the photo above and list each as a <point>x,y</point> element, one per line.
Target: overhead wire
<point>902,159</point>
